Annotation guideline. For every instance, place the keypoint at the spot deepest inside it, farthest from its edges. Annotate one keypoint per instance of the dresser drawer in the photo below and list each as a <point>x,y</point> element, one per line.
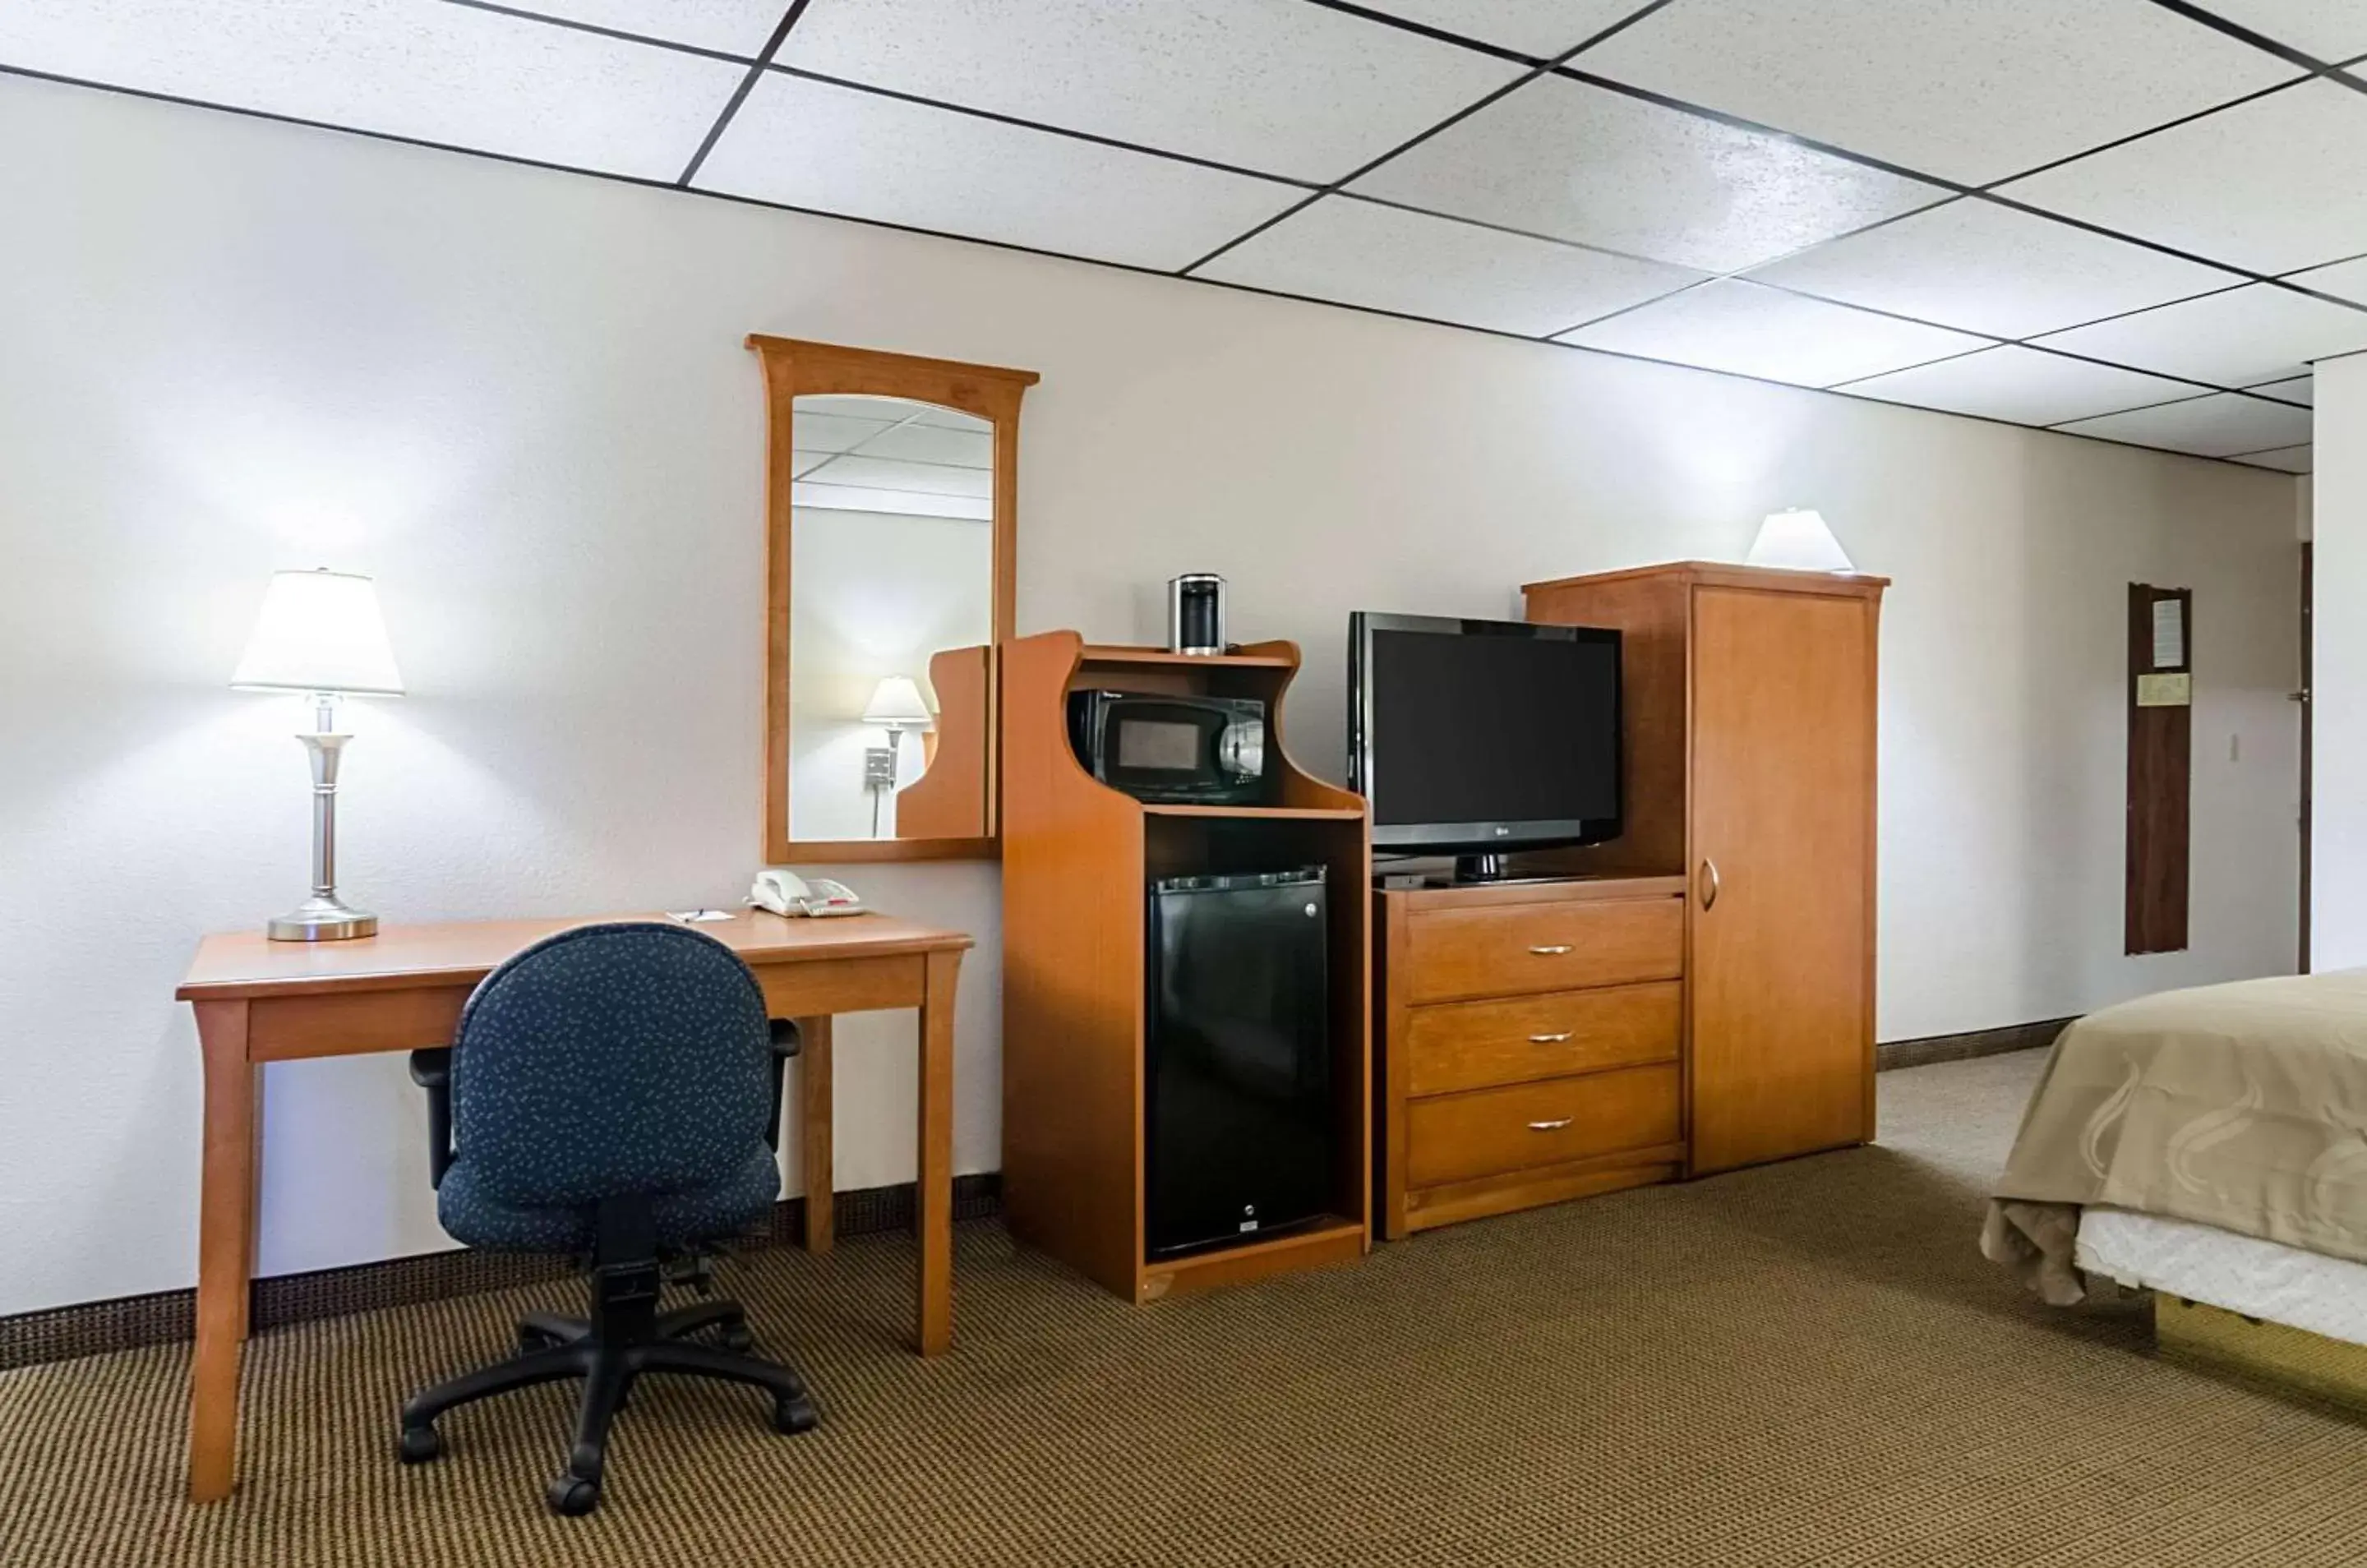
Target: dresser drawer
<point>1488,1131</point>
<point>1460,1046</point>
<point>1514,949</point>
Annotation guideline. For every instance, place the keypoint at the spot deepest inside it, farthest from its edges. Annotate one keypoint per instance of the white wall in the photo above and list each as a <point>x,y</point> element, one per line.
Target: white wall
<point>519,398</point>
<point>2337,928</point>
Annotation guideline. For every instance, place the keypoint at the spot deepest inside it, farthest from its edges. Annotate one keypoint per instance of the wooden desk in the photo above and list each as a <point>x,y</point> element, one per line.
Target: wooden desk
<point>261,1001</point>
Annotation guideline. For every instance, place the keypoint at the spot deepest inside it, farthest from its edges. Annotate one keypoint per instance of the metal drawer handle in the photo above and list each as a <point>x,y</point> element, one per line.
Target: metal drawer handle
<point>1548,1039</point>
<point>1550,949</point>
<point>1549,1126</point>
<point>1709,894</point>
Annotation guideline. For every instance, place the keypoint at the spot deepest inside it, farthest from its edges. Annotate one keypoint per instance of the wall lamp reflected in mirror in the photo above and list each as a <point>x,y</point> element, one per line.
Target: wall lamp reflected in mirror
<point>321,633</point>
<point>896,705</point>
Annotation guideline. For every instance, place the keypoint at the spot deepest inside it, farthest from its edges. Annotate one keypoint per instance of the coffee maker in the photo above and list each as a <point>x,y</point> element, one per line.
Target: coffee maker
<point>1195,613</point>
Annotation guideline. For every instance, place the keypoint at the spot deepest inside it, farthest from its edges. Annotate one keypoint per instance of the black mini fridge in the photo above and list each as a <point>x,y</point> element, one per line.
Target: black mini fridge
<point>1242,1129</point>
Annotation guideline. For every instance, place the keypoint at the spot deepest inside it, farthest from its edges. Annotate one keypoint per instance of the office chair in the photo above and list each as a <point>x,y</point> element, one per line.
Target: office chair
<point>605,1095</point>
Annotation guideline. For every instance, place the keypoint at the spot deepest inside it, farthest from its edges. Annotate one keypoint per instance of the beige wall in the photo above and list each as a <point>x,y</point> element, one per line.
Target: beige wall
<point>2338,933</point>
<point>520,399</point>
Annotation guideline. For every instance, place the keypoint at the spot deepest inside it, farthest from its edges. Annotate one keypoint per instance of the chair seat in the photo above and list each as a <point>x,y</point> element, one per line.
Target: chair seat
<point>701,1213</point>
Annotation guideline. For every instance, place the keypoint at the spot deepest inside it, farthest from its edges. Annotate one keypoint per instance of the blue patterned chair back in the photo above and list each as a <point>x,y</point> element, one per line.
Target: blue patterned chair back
<point>611,1060</point>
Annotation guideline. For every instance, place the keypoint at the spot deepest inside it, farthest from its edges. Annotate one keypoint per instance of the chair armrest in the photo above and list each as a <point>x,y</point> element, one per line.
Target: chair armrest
<point>432,1070</point>
<point>786,1043</point>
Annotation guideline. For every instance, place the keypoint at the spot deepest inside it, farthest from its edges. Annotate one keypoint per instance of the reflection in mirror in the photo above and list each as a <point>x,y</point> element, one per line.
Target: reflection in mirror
<point>891,612</point>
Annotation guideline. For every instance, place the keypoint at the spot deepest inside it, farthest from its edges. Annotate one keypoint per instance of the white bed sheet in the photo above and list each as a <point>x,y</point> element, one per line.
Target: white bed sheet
<point>2240,1273</point>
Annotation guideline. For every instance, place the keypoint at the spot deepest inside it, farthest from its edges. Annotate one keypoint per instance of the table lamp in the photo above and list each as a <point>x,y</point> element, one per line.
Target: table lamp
<point>321,633</point>
<point>896,705</point>
<point>1800,540</point>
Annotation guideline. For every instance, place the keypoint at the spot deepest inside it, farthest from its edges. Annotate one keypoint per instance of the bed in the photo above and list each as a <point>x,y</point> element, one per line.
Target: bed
<point>2209,1145</point>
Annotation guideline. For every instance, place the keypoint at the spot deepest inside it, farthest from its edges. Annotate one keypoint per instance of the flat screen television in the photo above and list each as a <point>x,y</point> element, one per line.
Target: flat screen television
<point>1473,737</point>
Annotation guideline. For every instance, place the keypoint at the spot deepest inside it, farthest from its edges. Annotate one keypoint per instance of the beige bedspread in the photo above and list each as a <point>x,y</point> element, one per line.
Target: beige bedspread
<point>2242,1106</point>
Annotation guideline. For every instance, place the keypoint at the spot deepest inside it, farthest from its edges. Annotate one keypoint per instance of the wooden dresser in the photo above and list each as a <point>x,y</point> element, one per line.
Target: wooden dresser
<point>1700,997</point>
<point>1532,1045</point>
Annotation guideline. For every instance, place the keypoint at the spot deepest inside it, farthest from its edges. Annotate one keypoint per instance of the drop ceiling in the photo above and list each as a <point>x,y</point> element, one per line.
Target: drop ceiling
<point>2139,221</point>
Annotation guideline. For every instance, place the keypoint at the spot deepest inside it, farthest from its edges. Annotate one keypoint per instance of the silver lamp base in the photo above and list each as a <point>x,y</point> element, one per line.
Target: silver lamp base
<point>321,920</point>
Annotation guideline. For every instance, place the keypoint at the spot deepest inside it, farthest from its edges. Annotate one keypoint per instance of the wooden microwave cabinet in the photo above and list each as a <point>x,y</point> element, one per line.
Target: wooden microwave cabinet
<point>1700,996</point>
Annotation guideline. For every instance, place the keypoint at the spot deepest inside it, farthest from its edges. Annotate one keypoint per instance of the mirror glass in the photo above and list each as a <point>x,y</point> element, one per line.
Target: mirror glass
<point>891,612</point>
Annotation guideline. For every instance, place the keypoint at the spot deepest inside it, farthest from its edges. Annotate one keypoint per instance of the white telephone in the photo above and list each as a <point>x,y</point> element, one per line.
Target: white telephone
<point>786,892</point>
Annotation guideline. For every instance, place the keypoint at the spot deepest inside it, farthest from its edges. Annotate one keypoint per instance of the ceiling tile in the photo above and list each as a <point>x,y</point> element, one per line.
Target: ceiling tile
<point>923,443</point>
<point>1991,269</point>
<point>1577,163</point>
<point>2219,426</point>
<point>1969,92</point>
<point>1543,28</point>
<point>931,168</point>
<point>2240,338</point>
<point>892,473</point>
<point>1360,254</point>
<point>447,73</point>
<point>734,27</point>
<point>2301,390</point>
<point>1740,327</point>
<point>2329,29</point>
<point>2271,184</point>
<point>2344,280</point>
<point>881,428</point>
<point>2284,459</point>
<point>820,426</point>
<point>1294,89</point>
<point>2021,386</point>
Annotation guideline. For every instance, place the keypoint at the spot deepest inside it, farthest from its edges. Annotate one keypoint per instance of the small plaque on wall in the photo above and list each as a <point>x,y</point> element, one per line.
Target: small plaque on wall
<point>2166,691</point>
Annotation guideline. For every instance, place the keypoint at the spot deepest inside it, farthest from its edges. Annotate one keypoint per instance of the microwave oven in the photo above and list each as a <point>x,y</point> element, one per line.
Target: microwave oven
<point>1179,749</point>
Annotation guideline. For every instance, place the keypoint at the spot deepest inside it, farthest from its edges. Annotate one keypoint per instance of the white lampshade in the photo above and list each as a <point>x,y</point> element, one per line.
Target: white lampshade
<point>1799,540</point>
<point>320,631</point>
<point>896,703</point>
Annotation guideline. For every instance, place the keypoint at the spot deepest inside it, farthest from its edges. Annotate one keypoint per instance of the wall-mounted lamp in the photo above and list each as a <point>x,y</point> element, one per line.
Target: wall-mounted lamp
<point>1799,540</point>
<point>896,705</point>
<point>320,632</point>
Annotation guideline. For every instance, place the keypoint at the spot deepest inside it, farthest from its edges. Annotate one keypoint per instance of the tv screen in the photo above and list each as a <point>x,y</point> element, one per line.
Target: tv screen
<point>1472,736</point>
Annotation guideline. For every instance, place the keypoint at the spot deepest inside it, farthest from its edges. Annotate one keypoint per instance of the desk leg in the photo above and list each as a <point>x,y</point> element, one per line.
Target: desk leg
<point>934,1197</point>
<point>226,1248</point>
<point>814,1129</point>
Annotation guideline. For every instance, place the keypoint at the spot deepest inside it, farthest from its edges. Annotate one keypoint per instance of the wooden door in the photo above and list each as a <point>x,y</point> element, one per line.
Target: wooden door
<point>1782,934</point>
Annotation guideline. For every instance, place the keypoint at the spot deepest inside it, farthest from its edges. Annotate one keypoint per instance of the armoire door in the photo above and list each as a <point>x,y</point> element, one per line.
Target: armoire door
<point>1782,928</point>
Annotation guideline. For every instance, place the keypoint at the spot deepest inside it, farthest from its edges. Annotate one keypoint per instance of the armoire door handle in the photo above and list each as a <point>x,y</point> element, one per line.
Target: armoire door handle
<point>1548,1039</point>
<point>1709,892</point>
<point>1549,1126</point>
<point>1551,950</point>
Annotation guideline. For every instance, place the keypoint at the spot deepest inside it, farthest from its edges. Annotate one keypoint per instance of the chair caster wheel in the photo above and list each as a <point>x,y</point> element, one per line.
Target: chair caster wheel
<point>791,1417</point>
<point>572,1495</point>
<point>736,1339</point>
<point>419,1444</point>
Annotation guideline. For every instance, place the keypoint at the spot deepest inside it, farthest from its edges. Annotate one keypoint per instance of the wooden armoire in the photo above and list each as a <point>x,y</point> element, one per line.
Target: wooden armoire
<point>1749,724</point>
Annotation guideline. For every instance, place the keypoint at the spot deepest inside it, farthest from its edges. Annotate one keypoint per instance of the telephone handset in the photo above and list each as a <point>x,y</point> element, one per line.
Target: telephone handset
<point>786,892</point>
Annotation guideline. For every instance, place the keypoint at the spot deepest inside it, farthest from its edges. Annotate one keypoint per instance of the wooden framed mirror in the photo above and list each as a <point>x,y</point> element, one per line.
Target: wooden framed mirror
<point>891,493</point>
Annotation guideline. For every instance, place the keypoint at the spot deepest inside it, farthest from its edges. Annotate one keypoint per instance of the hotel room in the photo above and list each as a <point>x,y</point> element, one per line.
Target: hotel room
<point>1264,782</point>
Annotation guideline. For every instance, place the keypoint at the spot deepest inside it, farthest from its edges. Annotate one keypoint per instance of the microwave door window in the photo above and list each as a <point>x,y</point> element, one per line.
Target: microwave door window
<point>1158,747</point>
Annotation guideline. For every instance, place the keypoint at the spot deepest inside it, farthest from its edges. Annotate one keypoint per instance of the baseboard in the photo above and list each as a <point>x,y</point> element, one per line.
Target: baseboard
<point>91,1328</point>
<point>1933,1048</point>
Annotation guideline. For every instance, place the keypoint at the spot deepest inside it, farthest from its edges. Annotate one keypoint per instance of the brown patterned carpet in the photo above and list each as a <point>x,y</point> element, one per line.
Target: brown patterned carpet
<point>1804,1365</point>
